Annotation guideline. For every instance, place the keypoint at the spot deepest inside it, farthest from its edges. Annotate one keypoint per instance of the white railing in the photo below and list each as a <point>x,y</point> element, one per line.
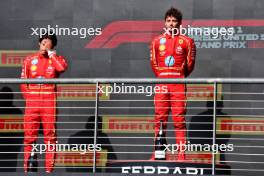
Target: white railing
<point>215,82</point>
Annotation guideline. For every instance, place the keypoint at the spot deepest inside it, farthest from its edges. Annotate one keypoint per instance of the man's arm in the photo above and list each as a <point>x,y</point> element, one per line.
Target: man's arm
<point>153,59</point>
<point>58,61</point>
<point>24,75</point>
<point>191,57</point>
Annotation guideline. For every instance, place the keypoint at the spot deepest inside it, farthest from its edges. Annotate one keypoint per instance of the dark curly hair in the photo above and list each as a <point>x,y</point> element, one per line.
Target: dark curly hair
<point>52,37</point>
<point>175,13</point>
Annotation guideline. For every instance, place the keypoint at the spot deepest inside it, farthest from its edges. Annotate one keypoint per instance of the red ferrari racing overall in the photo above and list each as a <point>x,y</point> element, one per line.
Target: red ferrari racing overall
<point>40,102</point>
<point>172,57</point>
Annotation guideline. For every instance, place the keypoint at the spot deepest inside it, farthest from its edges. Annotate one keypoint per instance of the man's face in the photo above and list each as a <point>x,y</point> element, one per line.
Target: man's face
<point>44,45</point>
<point>172,22</point>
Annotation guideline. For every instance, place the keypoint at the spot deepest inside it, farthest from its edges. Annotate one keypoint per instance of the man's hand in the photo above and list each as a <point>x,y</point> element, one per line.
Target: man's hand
<point>51,52</point>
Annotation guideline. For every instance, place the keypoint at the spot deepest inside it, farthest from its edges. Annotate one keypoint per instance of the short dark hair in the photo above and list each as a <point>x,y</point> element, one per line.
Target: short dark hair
<point>52,37</point>
<point>175,13</point>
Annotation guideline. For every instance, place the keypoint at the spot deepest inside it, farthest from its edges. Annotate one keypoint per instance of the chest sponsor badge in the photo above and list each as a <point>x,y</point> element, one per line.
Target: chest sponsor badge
<point>50,68</point>
<point>162,53</point>
<point>179,50</point>
<point>169,61</point>
<point>33,68</point>
<point>162,47</point>
<point>162,41</point>
<point>180,41</point>
<point>34,61</point>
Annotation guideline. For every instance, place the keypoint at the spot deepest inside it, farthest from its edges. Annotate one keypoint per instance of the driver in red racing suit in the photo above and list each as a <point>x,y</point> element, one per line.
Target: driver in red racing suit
<point>41,98</point>
<point>172,56</point>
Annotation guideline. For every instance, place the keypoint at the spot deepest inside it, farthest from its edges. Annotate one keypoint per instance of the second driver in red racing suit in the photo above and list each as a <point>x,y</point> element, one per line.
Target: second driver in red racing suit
<point>41,98</point>
<point>172,56</point>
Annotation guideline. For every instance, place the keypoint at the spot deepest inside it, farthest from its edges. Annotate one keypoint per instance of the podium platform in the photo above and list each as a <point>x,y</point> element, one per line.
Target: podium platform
<point>165,168</point>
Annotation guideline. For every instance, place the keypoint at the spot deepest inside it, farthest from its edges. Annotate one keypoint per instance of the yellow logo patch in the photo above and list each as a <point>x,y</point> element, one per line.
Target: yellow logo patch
<point>162,47</point>
<point>33,68</point>
<point>180,41</point>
